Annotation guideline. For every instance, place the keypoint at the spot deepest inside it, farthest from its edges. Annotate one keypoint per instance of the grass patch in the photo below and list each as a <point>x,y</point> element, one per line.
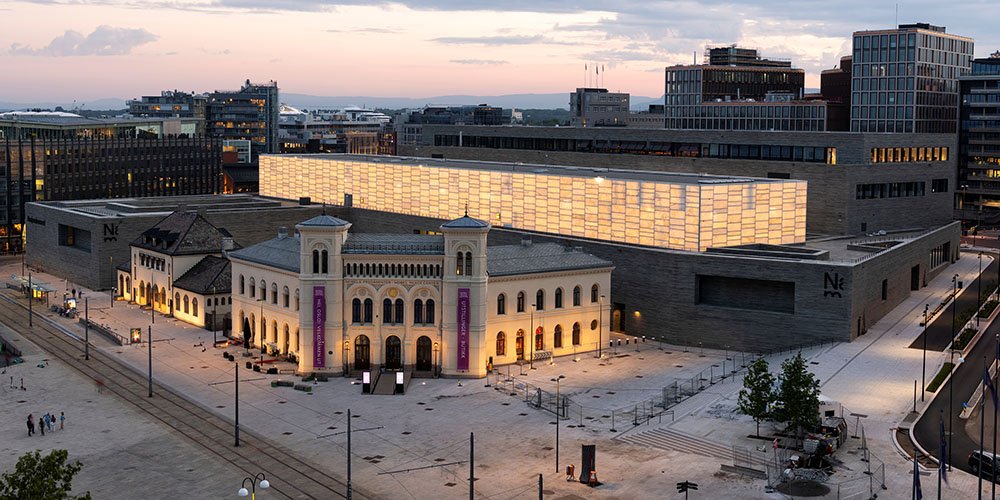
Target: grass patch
<point>988,309</point>
<point>964,338</point>
<point>939,378</point>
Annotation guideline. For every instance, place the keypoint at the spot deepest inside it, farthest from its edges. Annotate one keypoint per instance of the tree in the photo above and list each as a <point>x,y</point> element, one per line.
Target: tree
<point>37,476</point>
<point>757,392</point>
<point>800,394</point>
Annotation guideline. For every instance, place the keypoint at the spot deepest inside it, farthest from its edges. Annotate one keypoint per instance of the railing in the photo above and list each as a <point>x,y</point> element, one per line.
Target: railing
<point>107,332</point>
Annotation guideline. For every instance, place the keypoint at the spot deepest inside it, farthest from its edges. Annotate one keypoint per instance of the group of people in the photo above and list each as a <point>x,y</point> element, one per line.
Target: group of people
<point>45,421</point>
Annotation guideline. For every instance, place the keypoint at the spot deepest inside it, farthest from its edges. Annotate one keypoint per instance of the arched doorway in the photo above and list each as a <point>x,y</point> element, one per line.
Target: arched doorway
<point>362,353</point>
<point>539,338</point>
<point>393,353</point>
<point>424,361</point>
<point>616,321</point>
<point>519,345</point>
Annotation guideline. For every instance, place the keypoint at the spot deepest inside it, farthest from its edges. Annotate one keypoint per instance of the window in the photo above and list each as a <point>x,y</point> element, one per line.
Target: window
<point>263,290</point>
<point>885,289</point>
<point>939,185</point>
<point>399,312</point>
<point>593,324</point>
<point>539,339</point>
<point>274,293</point>
<point>369,306</point>
<point>418,312</point>
<point>520,302</point>
<point>324,261</point>
<point>315,261</point>
<point>468,263</point>
<point>540,300</point>
<point>242,285</point>
<point>576,296</point>
<point>501,304</point>
<point>460,263</point>
<point>186,304</point>
<point>576,333</point>
<point>429,317</point>
<point>387,312</point>
<point>356,311</point>
<point>501,344</point>
<point>594,293</point>
<point>284,296</point>
<point>296,299</point>
<point>253,288</point>
<point>177,300</point>
<point>194,306</point>
<point>557,337</point>
<point>559,294</point>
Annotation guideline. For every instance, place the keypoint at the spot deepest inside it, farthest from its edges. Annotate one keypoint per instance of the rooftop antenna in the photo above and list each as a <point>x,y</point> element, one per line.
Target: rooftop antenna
<point>694,57</point>
<point>466,209</point>
<point>324,208</point>
<point>897,16</point>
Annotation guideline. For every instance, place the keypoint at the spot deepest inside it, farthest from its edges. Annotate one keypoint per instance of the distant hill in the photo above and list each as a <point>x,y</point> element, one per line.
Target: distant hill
<point>107,103</point>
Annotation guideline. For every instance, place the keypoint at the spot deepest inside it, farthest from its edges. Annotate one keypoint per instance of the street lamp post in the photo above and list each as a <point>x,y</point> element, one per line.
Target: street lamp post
<point>263,328</point>
<point>531,328</point>
<point>149,340</point>
<point>923,371</point>
<point>236,403</point>
<point>951,383</point>
<point>215,317</point>
<point>257,479</point>
<point>979,294</point>
<point>436,359</point>
<point>600,327</point>
<point>31,298</point>
<point>86,328</point>
<point>558,414</point>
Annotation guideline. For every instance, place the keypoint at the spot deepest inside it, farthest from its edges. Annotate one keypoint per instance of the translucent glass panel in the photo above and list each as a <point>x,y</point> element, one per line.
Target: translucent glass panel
<point>682,216</point>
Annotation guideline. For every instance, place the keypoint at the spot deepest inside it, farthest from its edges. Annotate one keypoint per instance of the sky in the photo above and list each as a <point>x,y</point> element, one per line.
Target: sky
<point>63,50</point>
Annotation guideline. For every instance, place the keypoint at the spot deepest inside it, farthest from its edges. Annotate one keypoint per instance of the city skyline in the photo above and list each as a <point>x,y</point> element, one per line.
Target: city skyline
<point>124,49</point>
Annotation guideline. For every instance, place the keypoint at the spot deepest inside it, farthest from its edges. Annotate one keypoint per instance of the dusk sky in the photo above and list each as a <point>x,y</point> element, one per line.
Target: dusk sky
<point>89,49</point>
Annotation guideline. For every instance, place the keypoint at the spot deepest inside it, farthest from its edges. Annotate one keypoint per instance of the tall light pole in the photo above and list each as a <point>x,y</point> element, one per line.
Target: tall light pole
<point>979,295</point>
<point>531,327</point>
<point>923,372</point>
<point>86,328</point>
<point>436,360</point>
<point>149,339</point>
<point>215,312</point>
<point>254,481</point>
<point>951,383</point>
<point>263,328</point>
<point>600,327</point>
<point>236,405</point>
<point>558,414</point>
<point>31,298</point>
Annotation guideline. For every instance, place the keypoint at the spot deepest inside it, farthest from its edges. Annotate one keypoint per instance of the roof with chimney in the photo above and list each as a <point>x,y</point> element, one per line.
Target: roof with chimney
<point>182,233</point>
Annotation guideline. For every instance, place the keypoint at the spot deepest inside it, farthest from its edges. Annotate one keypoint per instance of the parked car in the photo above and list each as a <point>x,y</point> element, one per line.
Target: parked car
<point>987,461</point>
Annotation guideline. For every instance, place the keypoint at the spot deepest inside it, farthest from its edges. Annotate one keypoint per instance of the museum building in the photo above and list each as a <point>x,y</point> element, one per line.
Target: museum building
<point>340,302</point>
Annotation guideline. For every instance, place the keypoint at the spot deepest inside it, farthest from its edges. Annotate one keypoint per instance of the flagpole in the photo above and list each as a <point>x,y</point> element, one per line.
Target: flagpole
<point>941,456</point>
<point>982,419</point>
<point>993,487</point>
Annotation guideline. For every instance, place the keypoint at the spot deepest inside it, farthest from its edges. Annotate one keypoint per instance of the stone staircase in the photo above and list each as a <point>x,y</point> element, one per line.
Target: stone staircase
<point>672,440</point>
<point>386,383</point>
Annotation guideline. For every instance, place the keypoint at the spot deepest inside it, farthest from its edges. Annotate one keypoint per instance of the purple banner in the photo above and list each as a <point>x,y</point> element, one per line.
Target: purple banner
<point>463,328</point>
<point>319,319</point>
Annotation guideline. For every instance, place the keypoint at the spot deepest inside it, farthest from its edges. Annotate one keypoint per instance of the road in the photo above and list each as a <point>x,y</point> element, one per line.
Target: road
<point>965,379</point>
<point>290,476</point>
<point>939,331</point>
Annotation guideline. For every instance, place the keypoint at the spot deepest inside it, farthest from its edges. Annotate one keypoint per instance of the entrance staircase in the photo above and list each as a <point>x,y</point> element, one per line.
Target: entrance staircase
<point>386,383</point>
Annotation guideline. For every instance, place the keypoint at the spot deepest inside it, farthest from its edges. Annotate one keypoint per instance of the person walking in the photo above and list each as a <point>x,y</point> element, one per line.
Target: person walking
<point>31,425</point>
<point>62,420</point>
<point>41,425</point>
<point>52,421</point>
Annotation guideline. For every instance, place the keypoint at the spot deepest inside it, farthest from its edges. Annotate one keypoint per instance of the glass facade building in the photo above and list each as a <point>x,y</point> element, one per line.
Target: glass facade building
<point>905,80</point>
<point>676,211</point>
<point>979,142</point>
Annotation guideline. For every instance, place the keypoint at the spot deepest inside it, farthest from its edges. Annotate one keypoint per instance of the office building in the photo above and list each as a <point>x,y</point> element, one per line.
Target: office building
<point>593,107</point>
<point>169,104</point>
<point>250,113</point>
<point>905,80</point>
<point>835,89</point>
<point>746,292</point>
<point>978,193</point>
<point>733,55</point>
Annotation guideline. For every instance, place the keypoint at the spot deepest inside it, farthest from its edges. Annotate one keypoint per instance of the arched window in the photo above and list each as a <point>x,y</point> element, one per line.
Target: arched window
<point>315,261</point>
<point>263,290</point>
<point>274,293</point>
<point>296,299</point>
<point>381,271</point>
<point>468,263</point>
<point>559,294</point>
<point>399,312</point>
<point>460,263</point>
<point>284,296</point>
<point>501,344</point>
<point>540,300</point>
<point>295,341</point>
<point>595,292</point>
<point>185,304</point>
<point>539,339</point>
<point>194,306</point>
<point>274,331</point>
<point>520,302</point>
<point>392,270</point>
<point>557,337</point>
<point>387,312</point>
<point>418,312</point>
<point>253,288</point>
<point>177,299</point>
<point>369,305</point>
<point>576,296</point>
<point>576,333</point>
<point>501,304</point>
<point>429,317</point>
<point>243,288</point>
<point>356,311</point>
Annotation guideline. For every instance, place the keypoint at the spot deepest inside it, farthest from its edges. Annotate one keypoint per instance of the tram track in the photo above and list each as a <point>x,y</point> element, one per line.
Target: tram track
<point>288,474</point>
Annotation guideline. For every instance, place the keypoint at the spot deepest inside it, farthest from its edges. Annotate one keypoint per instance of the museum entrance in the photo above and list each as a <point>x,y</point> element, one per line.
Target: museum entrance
<point>393,353</point>
<point>519,345</point>
<point>362,353</point>
<point>424,353</point>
